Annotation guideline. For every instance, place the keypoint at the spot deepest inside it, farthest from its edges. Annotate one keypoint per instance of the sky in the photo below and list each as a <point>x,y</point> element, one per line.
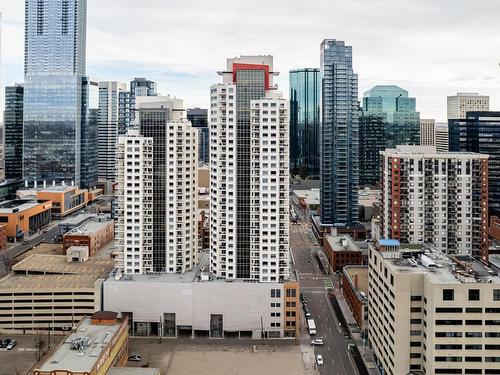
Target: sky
<point>432,48</point>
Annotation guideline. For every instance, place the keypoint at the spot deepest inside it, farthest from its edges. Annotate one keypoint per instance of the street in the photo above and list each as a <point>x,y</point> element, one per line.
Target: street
<point>313,285</point>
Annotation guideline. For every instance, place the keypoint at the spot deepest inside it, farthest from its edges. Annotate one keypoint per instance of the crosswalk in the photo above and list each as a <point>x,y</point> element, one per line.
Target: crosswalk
<point>328,283</point>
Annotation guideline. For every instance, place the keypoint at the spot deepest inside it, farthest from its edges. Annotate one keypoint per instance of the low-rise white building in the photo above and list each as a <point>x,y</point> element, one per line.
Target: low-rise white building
<point>197,304</point>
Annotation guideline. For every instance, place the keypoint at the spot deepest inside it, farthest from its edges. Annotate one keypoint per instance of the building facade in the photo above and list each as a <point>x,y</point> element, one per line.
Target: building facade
<point>109,93</point>
<point>304,121</point>
<point>249,153</point>
<point>159,233</point>
<point>127,101</point>
<point>480,132</point>
<point>371,142</point>
<point>339,159</point>
<point>199,120</point>
<point>134,222</point>
<point>13,129</point>
<point>440,199</point>
<point>89,136</point>
<point>402,121</point>
<point>431,314</point>
<point>460,104</point>
<point>54,94</point>
<point>427,132</point>
<point>199,306</point>
<point>441,137</point>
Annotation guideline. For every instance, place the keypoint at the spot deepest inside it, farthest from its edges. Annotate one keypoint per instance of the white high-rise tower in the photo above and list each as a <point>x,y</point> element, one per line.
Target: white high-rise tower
<point>249,204</point>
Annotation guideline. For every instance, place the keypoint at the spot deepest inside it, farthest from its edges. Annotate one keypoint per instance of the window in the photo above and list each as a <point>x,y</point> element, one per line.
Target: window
<point>496,294</point>
<point>474,295</point>
<point>473,334</point>
<point>291,292</point>
<point>275,293</point>
<point>448,294</point>
<point>416,298</point>
<point>448,309</point>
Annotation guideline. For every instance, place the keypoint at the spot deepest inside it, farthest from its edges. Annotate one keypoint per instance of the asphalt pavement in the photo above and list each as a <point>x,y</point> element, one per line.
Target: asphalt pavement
<point>314,286</point>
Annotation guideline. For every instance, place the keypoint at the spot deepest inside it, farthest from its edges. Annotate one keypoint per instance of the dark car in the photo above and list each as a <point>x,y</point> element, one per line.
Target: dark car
<point>5,343</point>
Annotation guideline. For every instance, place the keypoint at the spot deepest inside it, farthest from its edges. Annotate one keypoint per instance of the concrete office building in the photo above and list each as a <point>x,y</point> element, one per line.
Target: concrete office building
<point>249,197</point>
<point>199,305</point>
<point>460,104</point>
<point>431,314</point>
<point>434,134</point>
<point>427,132</point>
<point>46,292</point>
<point>435,198</point>
<point>339,163</point>
<point>162,153</point>
<point>441,137</point>
<point>13,130</point>
<point>55,91</point>
<point>109,93</point>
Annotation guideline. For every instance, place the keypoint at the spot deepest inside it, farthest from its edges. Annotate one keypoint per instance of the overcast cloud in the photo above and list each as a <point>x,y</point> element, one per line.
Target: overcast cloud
<point>432,48</point>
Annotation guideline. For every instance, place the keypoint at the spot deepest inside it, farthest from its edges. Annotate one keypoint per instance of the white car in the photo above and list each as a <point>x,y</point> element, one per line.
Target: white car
<point>319,342</point>
<point>319,360</point>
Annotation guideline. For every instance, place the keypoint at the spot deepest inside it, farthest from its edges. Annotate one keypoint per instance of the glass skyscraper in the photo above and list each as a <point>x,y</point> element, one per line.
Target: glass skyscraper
<point>88,156</point>
<point>339,136</point>
<point>127,101</point>
<point>402,121</point>
<point>304,121</point>
<point>199,120</point>
<point>480,132</point>
<point>371,142</point>
<point>55,96</point>
<point>13,125</point>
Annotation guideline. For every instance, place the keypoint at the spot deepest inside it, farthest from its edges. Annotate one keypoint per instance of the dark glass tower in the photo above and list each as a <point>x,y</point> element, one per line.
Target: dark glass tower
<point>399,110</point>
<point>371,141</point>
<point>199,120</point>
<point>480,132</point>
<point>54,93</point>
<point>13,123</point>
<point>90,122</point>
<point>339,136</point>
<point>304,122</point>
<point>127,101</point>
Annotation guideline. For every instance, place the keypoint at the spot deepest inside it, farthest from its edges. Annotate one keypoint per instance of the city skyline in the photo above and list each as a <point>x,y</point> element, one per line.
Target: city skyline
<point>425,57</point>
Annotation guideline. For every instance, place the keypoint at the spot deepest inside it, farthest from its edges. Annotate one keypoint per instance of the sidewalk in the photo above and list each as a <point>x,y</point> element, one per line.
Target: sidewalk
<point>365,351</point>
<point>307,351</point>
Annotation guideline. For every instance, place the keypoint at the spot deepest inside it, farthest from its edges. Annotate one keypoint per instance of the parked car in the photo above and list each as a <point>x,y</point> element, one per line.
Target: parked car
<point>134,357</point>
<point>11,344</point>
<point>318,342</point>
<point>308,314</point>
<point>319,360</point>
<point>5,343</point>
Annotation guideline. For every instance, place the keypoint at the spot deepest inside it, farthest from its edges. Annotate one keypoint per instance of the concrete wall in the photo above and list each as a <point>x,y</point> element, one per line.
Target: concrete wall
<point>242,305</point>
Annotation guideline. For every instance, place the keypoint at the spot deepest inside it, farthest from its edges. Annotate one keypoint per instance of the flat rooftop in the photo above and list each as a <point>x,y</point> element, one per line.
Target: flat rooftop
<point>20,282</point>
<point>132,371</point>
<point>454,269</point>
<point>89,227</point>
<point>18,205</point>
<point>200,273</point>
<point>78,219</point>
<point>81,360</point>
<point>362,272</point>
<point>58,264</point>
<point>367,197</point>
<point>311,196</point>
<point>341,242</point>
